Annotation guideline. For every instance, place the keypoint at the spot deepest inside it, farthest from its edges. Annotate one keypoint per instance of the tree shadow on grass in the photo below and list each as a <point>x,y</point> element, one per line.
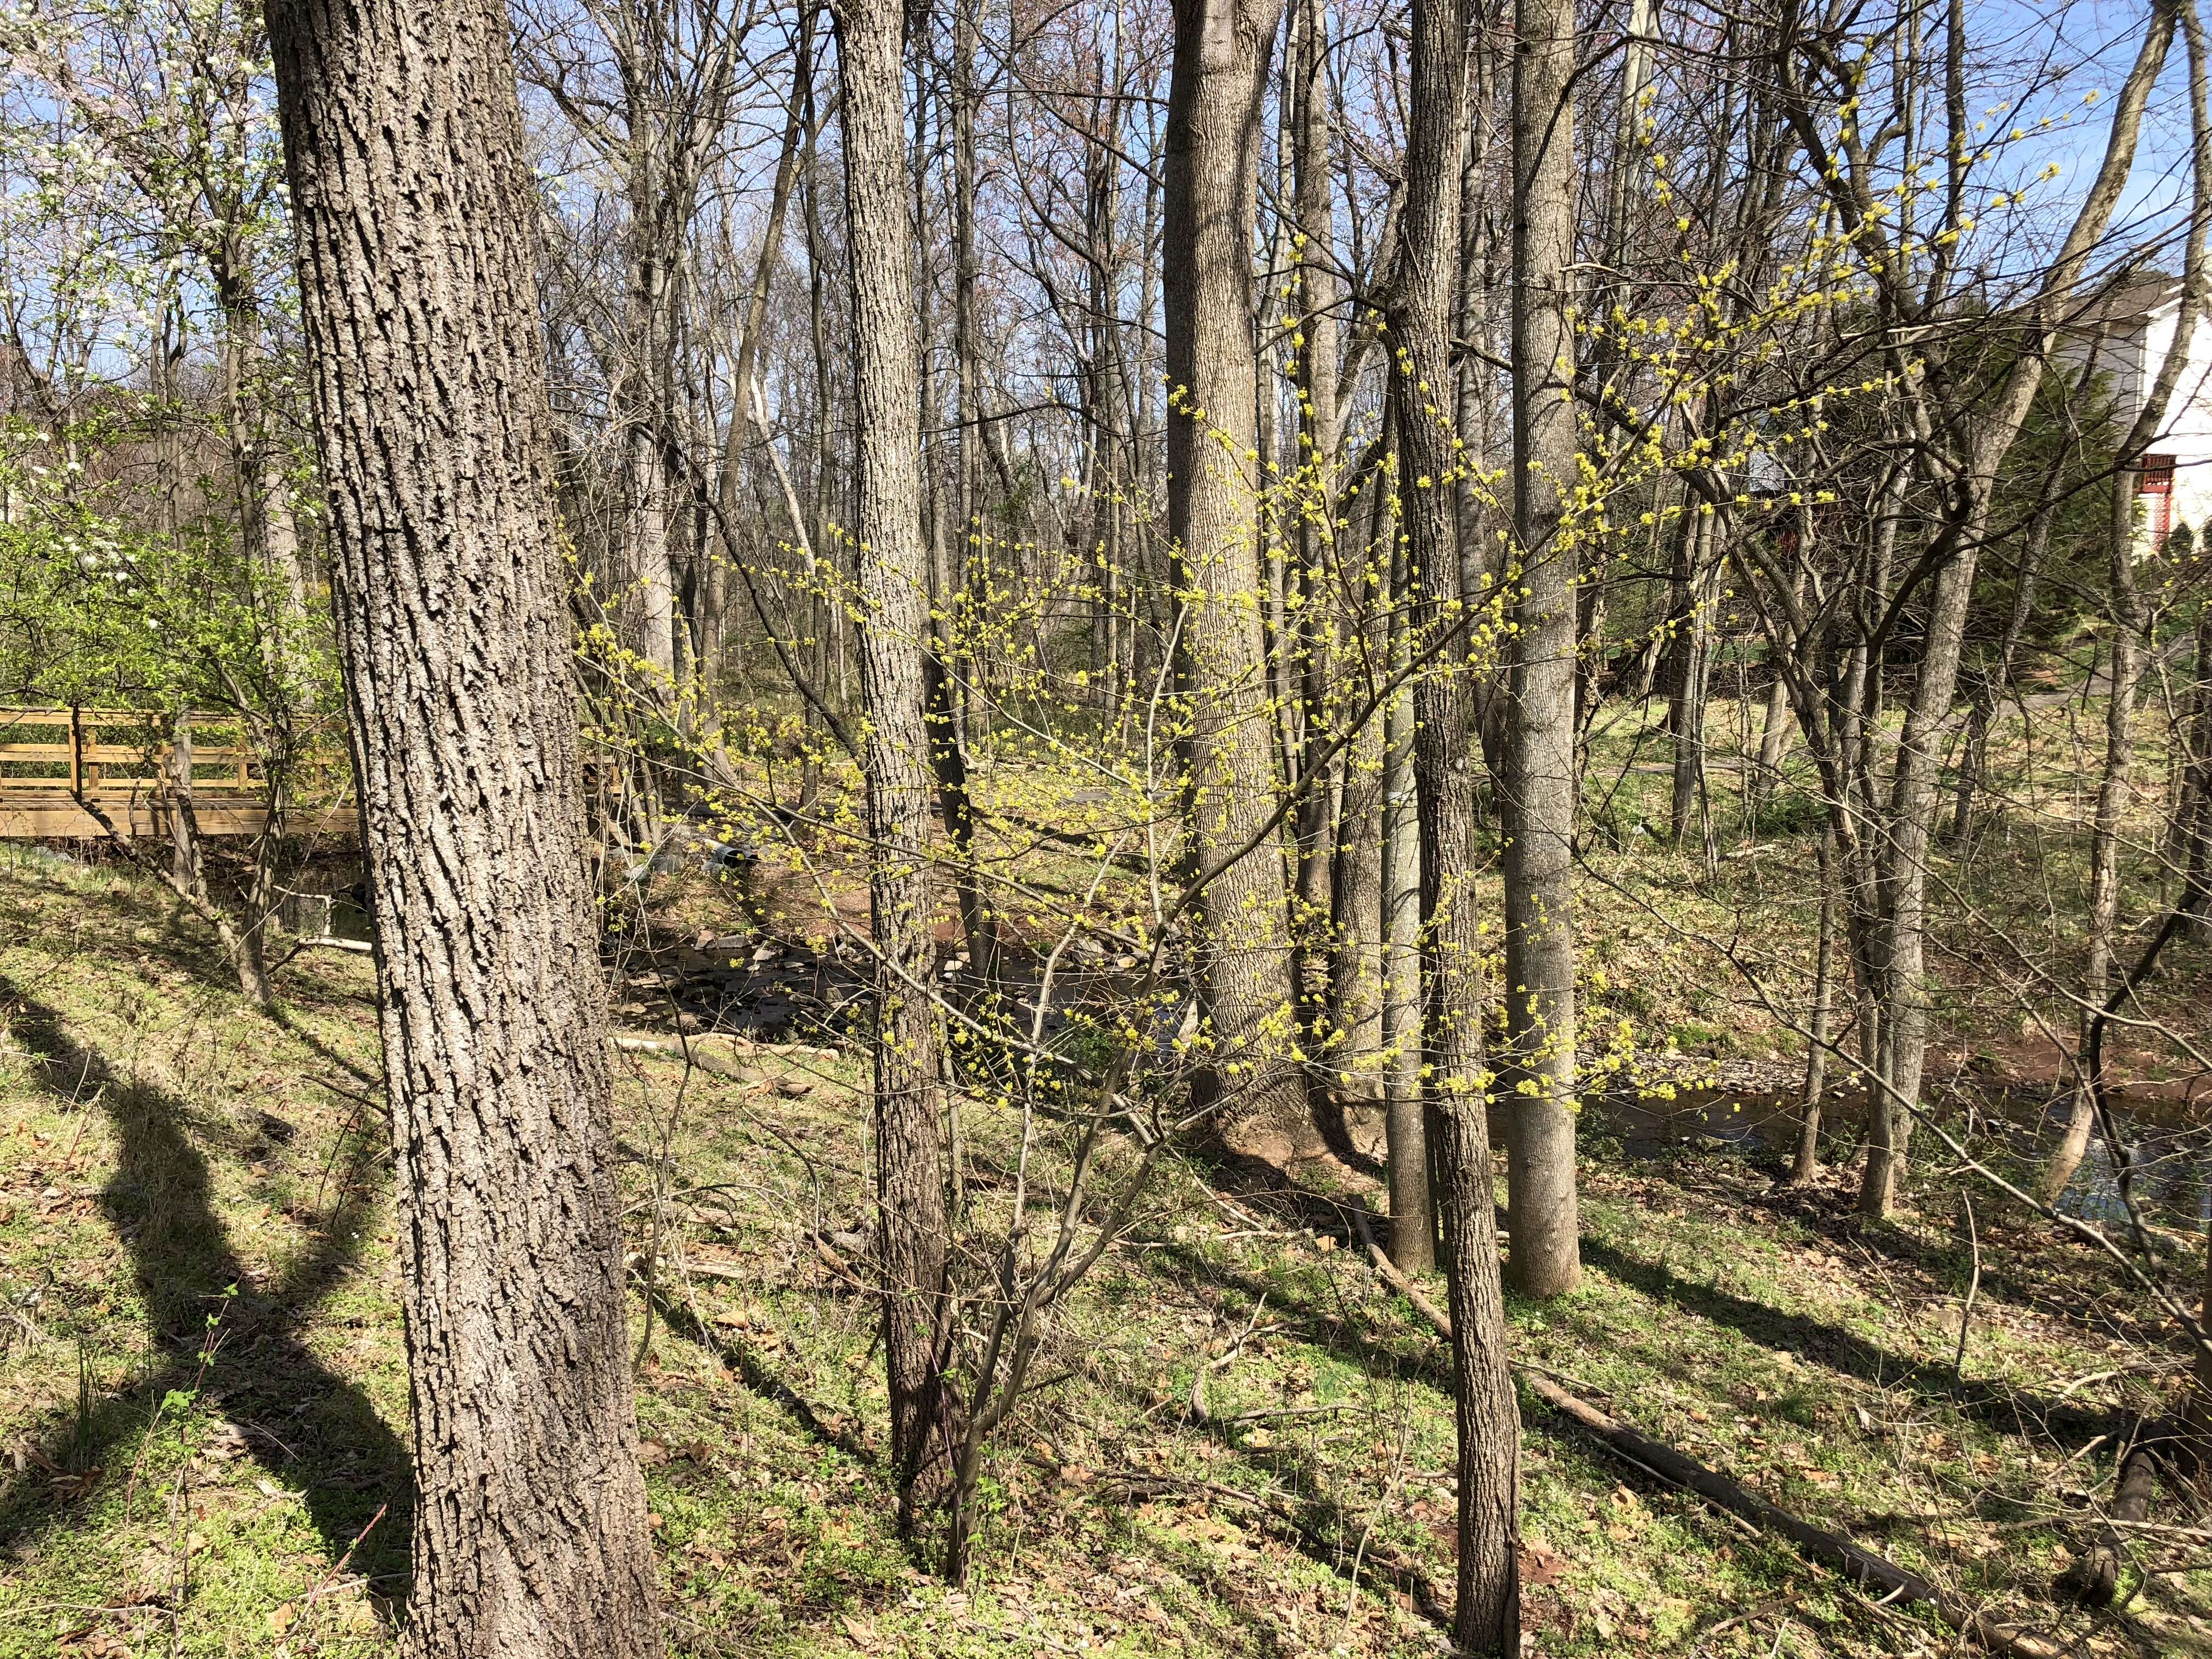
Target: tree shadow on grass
<point>2000,1406</point>
<point>306,1038</point>
<point>1841,1349</point>
<point>746,1363</point>
<point>311,1429</point>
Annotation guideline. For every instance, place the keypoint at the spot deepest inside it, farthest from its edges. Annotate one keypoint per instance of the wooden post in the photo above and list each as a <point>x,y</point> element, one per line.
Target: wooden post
<point>76,751</point>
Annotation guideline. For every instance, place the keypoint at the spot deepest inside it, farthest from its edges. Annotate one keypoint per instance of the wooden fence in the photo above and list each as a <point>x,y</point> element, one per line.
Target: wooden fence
<point>63,769</point>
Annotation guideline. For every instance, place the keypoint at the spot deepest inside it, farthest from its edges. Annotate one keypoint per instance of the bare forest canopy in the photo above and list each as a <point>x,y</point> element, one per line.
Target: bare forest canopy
<point>1368,613</point>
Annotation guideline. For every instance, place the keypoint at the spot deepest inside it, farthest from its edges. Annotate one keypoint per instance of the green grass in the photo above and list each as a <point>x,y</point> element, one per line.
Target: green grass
<point>193,1466</point>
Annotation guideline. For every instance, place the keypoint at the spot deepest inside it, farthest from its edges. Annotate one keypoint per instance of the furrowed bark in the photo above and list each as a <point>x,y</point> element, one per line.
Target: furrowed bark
<point>1212,167</point>
<point>895,758</point>
<point>1486,1619</point>
<point>411,195</point>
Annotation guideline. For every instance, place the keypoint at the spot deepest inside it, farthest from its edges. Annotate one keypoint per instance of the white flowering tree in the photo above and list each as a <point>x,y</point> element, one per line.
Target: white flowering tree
<point>151,459</point>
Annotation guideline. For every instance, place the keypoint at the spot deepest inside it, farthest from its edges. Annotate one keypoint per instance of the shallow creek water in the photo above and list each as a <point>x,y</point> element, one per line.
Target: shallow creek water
<point>2167,1147</point>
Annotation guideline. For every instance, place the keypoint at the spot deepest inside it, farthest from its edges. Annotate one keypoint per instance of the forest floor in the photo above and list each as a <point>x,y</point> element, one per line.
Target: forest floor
<point>202,1387</point>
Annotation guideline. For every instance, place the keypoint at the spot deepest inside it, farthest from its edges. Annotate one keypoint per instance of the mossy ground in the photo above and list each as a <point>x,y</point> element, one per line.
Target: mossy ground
<point>204,1398</point>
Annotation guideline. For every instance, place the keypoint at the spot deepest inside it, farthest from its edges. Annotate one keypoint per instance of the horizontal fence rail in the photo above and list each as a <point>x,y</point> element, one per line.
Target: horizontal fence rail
<point>64,771</point>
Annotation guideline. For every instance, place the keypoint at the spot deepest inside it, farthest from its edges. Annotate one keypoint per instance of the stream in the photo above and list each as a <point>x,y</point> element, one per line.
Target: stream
<point>2168,1144</point>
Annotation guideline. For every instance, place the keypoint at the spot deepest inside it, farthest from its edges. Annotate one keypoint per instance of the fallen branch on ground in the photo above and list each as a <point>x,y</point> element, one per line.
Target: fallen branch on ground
<point>695,1049</point>
<point>2093,1577</point>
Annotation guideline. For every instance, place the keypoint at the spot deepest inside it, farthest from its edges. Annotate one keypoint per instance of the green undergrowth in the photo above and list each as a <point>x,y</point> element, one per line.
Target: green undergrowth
<point>203,1398</point>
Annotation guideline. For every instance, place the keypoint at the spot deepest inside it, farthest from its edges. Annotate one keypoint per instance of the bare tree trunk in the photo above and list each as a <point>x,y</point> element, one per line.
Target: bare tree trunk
<point>948,750</point>
<point>1774,733</point>
<point>1327,782</point>
<point>1413,1213</point>
<point>267,526</point>
<point>1807,1164</point>
<point>2192,816</point>
<point>239,937</point>
<point>1909,809</point>
<point>894,602</point>
<point>1487,1616</point>
<point>645,476</point>
<point>2130,638</point>
<point>412,200</point>
<point>1690,668</point>
<point>973,712</point>
<point>1539,797</point>
<point>1355,1000</point>
<point>827,610</point>
<point>1357,817</point>
<point>1212,167</point>
<point>675,85</point>
<point>1900,970</point>
<point>2123,606</point>
<point>729,485</point>
<point>184,843</point>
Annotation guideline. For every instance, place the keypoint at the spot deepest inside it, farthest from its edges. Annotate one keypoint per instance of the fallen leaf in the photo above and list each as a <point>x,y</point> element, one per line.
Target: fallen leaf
<point>1540,1564</point>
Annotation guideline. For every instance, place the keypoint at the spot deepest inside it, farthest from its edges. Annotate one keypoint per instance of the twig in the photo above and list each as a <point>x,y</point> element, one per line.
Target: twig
<point>1973,1287</point>
<point>330,1576</point>
<point>1199,1414</point>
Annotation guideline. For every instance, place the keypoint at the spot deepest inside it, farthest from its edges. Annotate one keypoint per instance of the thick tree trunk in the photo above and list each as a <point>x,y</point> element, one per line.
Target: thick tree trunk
<point>1212,167</point>
<point>412,198</point>
<point>1487,1616</point>
<point>267,524</point>
<point>894,590</point>
<point>948,754</point>
<point>1539,797</point>
<point>1774,734</point>
<point>1900,973</point>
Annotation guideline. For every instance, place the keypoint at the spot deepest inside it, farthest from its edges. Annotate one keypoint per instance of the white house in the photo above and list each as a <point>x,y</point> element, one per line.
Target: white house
<point>2126,334</point>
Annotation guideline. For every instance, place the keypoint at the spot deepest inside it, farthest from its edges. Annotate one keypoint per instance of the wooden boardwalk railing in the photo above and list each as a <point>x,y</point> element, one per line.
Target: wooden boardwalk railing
<point>63,769</point>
